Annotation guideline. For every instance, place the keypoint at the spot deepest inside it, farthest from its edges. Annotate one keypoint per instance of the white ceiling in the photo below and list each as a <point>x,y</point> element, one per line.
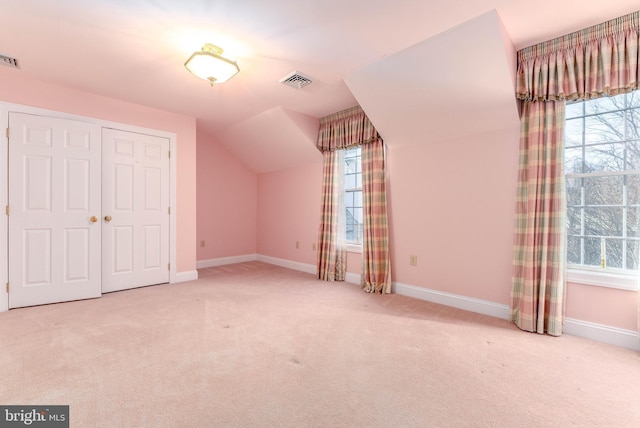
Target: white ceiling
<point>380,54</point>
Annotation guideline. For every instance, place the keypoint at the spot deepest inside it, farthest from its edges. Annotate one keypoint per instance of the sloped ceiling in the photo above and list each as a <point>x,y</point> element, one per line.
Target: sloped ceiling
<point>273,140</point>
<point>443,63</point>
<point>457,83</point>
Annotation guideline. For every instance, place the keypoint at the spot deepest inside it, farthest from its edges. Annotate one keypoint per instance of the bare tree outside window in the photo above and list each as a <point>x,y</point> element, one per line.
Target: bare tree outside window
<point>602,167</point>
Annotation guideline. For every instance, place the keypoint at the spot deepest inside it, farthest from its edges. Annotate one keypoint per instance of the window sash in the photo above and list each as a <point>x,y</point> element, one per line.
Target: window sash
<point>352,194</point>
<point>616,240</point>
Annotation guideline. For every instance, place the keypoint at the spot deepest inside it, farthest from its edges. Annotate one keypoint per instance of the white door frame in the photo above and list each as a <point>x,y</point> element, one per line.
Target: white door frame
<point>5,108</point>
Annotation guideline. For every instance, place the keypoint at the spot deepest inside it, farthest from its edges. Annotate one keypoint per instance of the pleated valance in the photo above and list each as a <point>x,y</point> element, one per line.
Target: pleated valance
<point>597,61</point>
<point>344,129</point>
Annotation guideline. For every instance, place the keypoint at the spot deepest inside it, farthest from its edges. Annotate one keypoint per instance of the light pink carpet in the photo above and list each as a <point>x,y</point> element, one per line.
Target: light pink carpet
<point>255,345</point>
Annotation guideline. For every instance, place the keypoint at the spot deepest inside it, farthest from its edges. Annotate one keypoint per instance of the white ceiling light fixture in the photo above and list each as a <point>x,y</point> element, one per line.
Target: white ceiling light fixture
<point>209,64</point>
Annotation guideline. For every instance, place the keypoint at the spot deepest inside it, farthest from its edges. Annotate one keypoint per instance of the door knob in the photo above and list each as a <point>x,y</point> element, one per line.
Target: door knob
<point>93,219</point>
<point>107,218</point>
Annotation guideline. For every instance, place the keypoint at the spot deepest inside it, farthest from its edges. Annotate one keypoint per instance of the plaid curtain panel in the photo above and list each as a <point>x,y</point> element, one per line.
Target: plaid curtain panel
<point>537,297</point>
<point>331,254</point>
<point>376,260</point>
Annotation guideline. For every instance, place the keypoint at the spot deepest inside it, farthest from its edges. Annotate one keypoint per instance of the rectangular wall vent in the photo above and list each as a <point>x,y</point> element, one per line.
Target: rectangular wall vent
<point>8,61</point>
<point>296,80</point>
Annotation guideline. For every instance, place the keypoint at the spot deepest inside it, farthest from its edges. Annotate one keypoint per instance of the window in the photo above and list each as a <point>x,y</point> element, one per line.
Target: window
<point>353,195</point>
<point>602,167</point>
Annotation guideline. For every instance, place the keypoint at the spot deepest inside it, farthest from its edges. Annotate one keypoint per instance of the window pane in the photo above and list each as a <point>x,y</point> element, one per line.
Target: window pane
<point>614,253</point>
<point>573,250</point>
<point>349,211</point>
<point>357,215</point>
<point>633,189</point>
<point>352,152</point>
<point>573,132</point>
<point>354,226</point>
<point>351,232</point>
<point>573,109</point>
<point>633,155</point>
<point>592,252</point>
<point>633,99</point>
<point>603,190</point>
<point>604,128</point>
<point>603,221</point>
<point>604,104</point>
<point>358,198</point>
<point>633,254</point>
<point>574,191</point>
<point>350,181</point>
<point>349,199</point>
<point>359,181</point>
<point>633,222</point>
<point>574,221</point>
<point>604,157</point>
<point>573,160</point>
<point>633,123</point>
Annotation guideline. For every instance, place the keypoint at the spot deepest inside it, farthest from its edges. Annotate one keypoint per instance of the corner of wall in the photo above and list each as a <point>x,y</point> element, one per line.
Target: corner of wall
<point>4,186</point>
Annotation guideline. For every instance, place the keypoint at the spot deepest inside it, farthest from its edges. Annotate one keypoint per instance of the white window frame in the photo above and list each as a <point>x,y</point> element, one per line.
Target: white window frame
<point>604,276</point>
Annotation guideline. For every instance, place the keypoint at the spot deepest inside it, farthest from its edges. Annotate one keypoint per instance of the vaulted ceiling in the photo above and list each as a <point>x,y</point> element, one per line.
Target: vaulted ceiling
<point>415,66</point>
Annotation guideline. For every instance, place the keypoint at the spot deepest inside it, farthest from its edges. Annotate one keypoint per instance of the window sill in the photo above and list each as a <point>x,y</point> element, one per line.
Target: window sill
<point>603,279</point>
<point>353,248</point>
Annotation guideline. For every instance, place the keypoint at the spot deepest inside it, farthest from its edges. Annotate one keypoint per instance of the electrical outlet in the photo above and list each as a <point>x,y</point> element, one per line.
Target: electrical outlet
<point>413,260</point>
<point>202,243</point>
<point>297,245</point>
<point>313,247</point>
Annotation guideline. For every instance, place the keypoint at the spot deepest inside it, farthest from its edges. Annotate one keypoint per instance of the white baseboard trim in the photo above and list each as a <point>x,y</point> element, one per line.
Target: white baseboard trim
<point>454,300</point>
<point>588,330</point>
<point>303,267</point>
<point>602,333</point>
<point>225,261</point>
<point>353,278</point>
<point>190,275</point>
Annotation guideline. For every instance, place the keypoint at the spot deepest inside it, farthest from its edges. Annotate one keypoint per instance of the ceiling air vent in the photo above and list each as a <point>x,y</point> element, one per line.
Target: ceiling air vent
<point>8,61</point>
<point>296,80</point>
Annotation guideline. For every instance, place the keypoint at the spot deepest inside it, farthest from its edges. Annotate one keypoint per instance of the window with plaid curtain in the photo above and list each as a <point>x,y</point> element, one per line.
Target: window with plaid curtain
<point>598,61</point>
<point>340,131</point>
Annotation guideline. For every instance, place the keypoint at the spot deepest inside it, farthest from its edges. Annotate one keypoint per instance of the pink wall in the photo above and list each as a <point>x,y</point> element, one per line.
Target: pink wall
<point>17,88</point>
<point>451,205</point>
<point>289,211</point>
<point>434,211</point>
<point>227,202</point>
<point>601,305</point>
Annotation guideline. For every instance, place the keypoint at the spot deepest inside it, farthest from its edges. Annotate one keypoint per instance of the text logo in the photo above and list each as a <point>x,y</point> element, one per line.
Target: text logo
<point>34,416</point>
